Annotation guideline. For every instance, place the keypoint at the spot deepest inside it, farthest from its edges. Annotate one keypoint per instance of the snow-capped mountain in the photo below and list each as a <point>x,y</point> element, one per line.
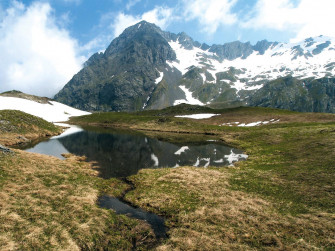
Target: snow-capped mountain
<point>147,68</point>
<point>313,57</point>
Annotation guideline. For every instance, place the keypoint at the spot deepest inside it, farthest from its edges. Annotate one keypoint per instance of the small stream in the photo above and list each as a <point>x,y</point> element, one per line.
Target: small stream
<point>122,153</point>
<point>156,222</point>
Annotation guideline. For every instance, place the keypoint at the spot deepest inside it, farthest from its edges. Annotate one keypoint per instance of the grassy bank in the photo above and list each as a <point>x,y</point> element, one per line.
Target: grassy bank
<point>50,204</point>
<point>18,127</point>
<point>282,197</point>
<point>47,203</point>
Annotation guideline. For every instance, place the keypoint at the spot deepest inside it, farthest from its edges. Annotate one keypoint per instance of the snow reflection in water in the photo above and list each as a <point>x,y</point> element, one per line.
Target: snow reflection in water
<point>120,154</point>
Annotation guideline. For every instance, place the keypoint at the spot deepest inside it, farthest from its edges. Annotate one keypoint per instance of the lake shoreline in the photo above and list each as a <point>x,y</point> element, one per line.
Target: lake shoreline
<point>280,198</point>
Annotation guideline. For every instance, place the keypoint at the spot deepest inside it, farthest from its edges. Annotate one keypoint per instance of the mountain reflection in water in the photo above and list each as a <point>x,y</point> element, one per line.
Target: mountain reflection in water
<point>120,154</point>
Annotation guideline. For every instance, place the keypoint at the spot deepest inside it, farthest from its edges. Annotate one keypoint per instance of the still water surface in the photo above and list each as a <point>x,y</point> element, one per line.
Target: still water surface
<point>120,154</point>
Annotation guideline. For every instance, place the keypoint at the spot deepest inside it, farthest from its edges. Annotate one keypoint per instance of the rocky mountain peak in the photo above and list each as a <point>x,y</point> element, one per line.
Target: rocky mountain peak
<point>142,39</point>
<point>262,46</point>
<point>147,68</point>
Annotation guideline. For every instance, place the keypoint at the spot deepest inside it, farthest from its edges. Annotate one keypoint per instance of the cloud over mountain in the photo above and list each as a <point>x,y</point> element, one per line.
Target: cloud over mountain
<point>37,56</point>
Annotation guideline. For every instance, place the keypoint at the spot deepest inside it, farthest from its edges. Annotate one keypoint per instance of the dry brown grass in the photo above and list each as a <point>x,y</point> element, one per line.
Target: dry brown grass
<point>47,203</point>
<point>41,207</point>
<point>224,219</point>
<point>12,139</point>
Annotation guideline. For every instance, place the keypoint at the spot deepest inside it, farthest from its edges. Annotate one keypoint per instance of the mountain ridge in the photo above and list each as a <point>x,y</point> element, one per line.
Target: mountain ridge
<point>147,68</point>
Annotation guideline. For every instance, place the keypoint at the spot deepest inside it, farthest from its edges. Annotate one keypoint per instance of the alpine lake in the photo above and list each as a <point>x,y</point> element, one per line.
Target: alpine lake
<point>122,153</point>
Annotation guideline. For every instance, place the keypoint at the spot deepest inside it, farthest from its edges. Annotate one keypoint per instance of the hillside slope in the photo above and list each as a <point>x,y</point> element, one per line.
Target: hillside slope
<point>18,127</point>
<point>45,108</point>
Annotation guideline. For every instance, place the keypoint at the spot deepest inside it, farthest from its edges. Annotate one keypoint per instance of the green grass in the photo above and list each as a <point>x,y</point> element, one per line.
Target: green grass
<point>17,127</point>
<point>282,197</point>
<point>292,165</point>
<point>12,121</point>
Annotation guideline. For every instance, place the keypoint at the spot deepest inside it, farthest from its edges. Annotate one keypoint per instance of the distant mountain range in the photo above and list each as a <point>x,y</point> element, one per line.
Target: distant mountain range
<point>147,68</point>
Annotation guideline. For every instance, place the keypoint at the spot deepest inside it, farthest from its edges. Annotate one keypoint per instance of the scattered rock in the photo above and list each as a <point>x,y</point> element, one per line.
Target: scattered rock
<point>22,138</point>
<point>5,149</point>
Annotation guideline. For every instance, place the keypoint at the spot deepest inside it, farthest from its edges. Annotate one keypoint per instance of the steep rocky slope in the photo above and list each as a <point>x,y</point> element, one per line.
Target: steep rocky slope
<point>147,68</point>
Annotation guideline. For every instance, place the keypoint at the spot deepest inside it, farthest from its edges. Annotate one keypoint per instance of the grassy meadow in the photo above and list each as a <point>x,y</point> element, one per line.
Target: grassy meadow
<point>281,198</point>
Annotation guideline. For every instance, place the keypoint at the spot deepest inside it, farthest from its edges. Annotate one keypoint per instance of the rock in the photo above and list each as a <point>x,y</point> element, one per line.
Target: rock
<point>5,150</point>
<point>22,138</point>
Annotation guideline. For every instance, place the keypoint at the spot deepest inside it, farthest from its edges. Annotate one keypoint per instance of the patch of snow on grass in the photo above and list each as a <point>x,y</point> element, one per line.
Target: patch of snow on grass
<point>197,116</point>
<point>181,150</point>
<point>189,98</point>
<point>52,111</point>
<point>250,124</point>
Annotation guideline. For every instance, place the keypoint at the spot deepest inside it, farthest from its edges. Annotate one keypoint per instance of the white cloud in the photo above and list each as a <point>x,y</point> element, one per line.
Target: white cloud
<point>132,3</point>
<point>210,13</point>
<point>306,18</point>
<point>37,56</point>
<point>160,16</point>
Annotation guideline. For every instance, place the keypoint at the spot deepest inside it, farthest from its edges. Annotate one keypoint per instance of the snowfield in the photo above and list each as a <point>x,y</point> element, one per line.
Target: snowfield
<point>198,116</point>
<point>52,111</point>
<point>313,57</point>
<point>189,98</point>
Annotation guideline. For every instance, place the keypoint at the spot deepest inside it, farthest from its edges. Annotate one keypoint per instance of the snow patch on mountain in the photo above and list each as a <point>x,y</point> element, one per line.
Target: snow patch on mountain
<point>313,57</point>
<point>186,58</point>
<point>52,111</point>
<point>189,98</point>
<point>160,78</point>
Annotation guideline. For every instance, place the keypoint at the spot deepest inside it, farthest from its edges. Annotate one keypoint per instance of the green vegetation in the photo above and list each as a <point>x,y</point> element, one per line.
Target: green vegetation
<point>282,197</point>
<point>18,127</point>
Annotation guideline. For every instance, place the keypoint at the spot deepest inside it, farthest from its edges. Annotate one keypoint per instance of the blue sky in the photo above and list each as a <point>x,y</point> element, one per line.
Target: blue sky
<point>46,41</point>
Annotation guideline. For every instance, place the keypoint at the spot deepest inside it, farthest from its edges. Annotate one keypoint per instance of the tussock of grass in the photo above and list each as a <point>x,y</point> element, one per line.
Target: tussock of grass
<point>47,203</point>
